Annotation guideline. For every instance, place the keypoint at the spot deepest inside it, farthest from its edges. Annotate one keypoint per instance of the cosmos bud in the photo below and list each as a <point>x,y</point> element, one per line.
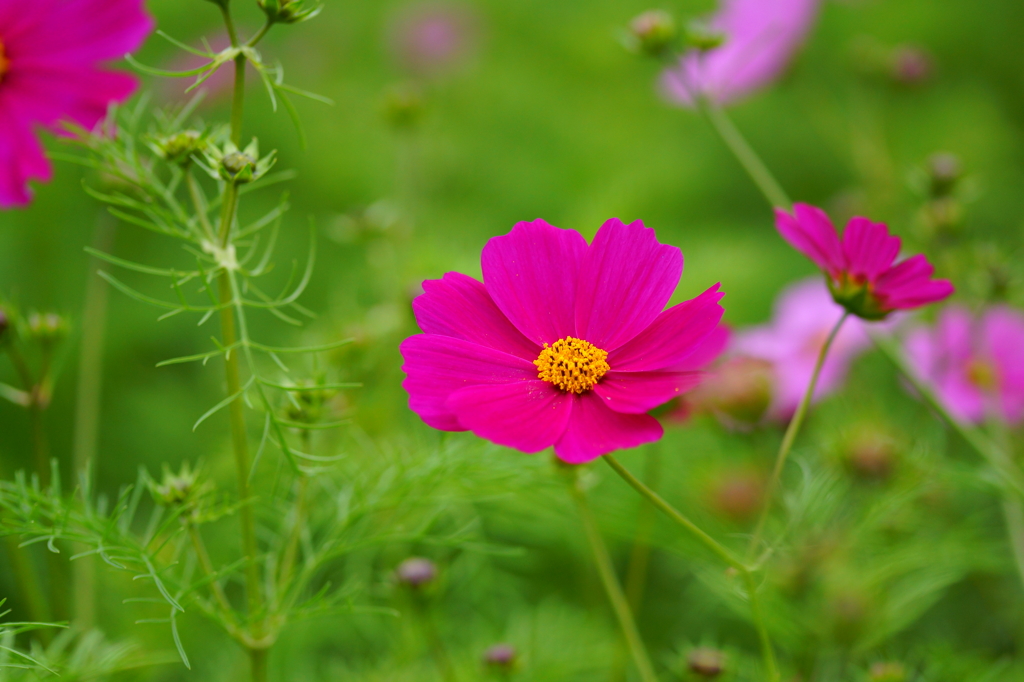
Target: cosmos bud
<point>178,489</point>
<point>911,65</point>
<point>870,455</point>
<point>287,11</point>
<point>887,672</point>
<point>700,36</point>
<point>179,147</point>
<point>944,172</point>
<point>416,572</point>
<point>5,323</point>
<point>706,662</point>
<point>404,107</point>
<point>47,329</point>
<point>652,33</point>
<point>501,657</point>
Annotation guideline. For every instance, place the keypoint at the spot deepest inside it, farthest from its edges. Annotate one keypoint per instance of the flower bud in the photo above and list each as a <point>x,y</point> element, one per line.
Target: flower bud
<point>5,323</point>
<point>47,329</point>
<point>287,11</point>
<point>944,172</point>
<point>887,672</point>
<point>238,166</point>
<point>702,37</point>
<point>738,496</point>
<point>176,489</point>
<point>501,657</point>
<point>179,147</point>
<point>738,392</point>
<point>416,572</point>
<point>404,107</point>
<point>911,65</point>
<point>706,662</point>
<point>870,455</point>
<point>652,33</point>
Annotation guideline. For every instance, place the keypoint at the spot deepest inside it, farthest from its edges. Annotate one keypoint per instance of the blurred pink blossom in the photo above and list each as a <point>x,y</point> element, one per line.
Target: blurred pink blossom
<point>803,318</point>
<point>975,364</point>
<point>428,38</point>
<point>760,39</point>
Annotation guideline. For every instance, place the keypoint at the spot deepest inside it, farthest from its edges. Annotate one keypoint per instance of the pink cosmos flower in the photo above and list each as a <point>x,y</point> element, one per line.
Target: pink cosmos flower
<point>976,365</point>
<point>51,53</point>
<point>804,317</point>
<point>432,37</point>
<point>860,267</point>
<point>562,344</point>
<point>760,38</point>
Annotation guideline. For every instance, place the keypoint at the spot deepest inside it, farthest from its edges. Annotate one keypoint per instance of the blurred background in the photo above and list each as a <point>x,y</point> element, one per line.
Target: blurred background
<point>454,120</point>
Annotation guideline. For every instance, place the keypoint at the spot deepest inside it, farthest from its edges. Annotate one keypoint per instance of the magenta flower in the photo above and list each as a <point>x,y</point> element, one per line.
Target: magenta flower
<point>760,37</point>
<point>562,344</point>
<point>976,365</point>
<point>860,267</point>
<point>804,316</point>
<point>51,53</point>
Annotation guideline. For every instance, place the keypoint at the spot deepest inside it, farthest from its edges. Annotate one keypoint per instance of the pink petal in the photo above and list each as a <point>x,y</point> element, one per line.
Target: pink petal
<point>640,392</point>
<point>909,285</point>
<point>1002,329</point>
<point>596,430</point>
<point>526,415</point>
<point>708,351</point>
<point>21,158</point>
<point>77,32</point>
<point>460,306</point>
<point>531,274</point>
<point>811,233</point>
<point>626,279</point>
<point>437,366</point>
<point>672,337</point>
<point>869,248</point>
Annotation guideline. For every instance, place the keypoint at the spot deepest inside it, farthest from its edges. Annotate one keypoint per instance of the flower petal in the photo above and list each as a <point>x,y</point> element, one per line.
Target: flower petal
<point>708,351</point>
<point>1002,329</point>
<point>869,248</point>
<point>909,285</point>
<point>640,392</point>
<point>672,337</point>
<point>531,275</point>
<point>596,430</point>
<point>526,415</point>
<point>460,306</point>
<point>437,366</point>
<point>626,279</point>
<point>810,232</point>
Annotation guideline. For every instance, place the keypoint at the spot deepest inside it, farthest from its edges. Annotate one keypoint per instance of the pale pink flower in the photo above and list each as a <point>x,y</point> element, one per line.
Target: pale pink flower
<point>760,38</point>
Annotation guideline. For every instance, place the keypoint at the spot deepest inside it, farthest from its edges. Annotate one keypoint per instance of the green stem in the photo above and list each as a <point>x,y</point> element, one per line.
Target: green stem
<point>654,498</point>
<point>745,154</point>
<point>437,649</point>
<point>259,35</point>
<point>200,204</point>
<point>237,100</point>
<point>291,551</point>
<point>640,558</point>
<point>611,584</point>
<point>258,659</point>
<point>791,433</point>
<point>204,562</point>
<point>767,652</point>
<point>87,409</point>
<point>990,451</point>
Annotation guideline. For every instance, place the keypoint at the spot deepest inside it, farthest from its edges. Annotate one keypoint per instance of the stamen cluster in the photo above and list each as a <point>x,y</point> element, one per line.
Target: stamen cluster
<point>571,364</point>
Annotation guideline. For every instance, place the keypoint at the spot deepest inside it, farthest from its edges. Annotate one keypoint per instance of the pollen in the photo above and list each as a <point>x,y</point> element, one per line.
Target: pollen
<point>983,374</point>
<point>572,364</point>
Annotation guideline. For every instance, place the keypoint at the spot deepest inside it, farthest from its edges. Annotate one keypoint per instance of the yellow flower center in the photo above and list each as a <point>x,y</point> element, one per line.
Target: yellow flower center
<point>982,374</point>
<point>571,364</point>
<point>3,61</point>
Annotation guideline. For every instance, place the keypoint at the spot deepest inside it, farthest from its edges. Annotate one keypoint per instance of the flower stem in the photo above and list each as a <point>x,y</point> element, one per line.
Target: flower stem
<point>984,446</point>
<point>767,652</point>
<point>640,558</point>
<point>258,659</point>
<point>87,408</point>
<point>204,562</point>
<point>745,154</point>
<point>611,584</point>
<point>259,34</point>
<point>791,433</point>
<point>291,551</point>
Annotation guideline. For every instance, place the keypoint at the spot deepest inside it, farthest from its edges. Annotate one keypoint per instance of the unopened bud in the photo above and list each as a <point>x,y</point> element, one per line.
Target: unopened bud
<point>911,65</point>
<point>887,672</point>
<point>5,322</point>
<point>404,107</point>
<point>176,489</point>
<point>501,657</point>
<point>179,148</point>
<point>706,662</point>
<point>47,329</point>
<point>652,33</point>
<point>944,172</point>
<point>416,572</point>
<point>239,166</point>
<point>739,496</point>
<point>871,455</point>
<point>702,37</point>
<point>287,11</point>
<point>739,391</point>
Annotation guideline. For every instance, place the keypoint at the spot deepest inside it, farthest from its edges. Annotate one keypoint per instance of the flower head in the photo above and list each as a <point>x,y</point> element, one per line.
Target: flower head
<point>804,316</point>
<point>975,364</point>
<point>760,38</point>
<point>430,38</point>
<point>51,52</point>
<point>563,344</point>
<point>861,269</point>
